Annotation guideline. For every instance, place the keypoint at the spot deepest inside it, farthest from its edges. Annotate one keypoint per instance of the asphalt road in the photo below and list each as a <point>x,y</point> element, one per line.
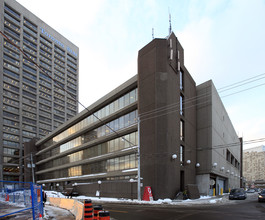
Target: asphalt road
<point>231,210</point>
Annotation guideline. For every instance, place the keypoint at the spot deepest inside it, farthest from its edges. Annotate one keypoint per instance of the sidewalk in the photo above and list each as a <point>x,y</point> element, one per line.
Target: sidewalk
<point>50,212</point>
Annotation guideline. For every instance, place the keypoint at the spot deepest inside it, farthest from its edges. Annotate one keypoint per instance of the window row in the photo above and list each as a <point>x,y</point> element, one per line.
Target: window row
<point>11,169</point>
<point>10,101</point>
<point>115,164</point>
<point>10,108</point>
<point>10,52</point>
<point>113,107</point>
<point>11,151</point>
<point>115,125</point>
<point>10,94</point>
<point>12,19</point>
<point>231,159</point>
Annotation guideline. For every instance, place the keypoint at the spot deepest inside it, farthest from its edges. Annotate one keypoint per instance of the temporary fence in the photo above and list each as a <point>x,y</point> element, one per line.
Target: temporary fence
<point>26,195</point>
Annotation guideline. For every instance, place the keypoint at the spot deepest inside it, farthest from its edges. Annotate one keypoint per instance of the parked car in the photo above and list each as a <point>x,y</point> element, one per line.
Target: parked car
<point>251,191</point>
<point>237,193</point>
<point>261,197</point>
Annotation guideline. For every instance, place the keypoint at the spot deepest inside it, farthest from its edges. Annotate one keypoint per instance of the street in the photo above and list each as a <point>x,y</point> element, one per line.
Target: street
<point>231,210</point>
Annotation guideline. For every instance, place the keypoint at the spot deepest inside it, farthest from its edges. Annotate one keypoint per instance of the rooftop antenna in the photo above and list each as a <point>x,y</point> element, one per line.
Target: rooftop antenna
<point>153,33</point>
<point>170,29</point>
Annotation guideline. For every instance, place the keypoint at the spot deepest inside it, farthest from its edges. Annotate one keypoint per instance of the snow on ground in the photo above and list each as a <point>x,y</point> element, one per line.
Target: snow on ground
<point>201,200</point>
<point>52,212</point>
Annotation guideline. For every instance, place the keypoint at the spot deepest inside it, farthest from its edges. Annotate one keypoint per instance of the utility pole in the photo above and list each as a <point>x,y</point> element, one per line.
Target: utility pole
<point>139,168</point>
<point>32,168</point>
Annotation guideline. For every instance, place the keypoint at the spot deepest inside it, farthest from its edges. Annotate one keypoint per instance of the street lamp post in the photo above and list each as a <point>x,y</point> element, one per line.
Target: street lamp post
<point>131,181</point>
<point>99,183</point>
<point>139,168</point>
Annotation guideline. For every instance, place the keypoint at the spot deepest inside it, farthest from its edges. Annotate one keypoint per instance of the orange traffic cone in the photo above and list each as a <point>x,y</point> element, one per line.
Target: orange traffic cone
<point>88,210</point>
<point>104,215</point>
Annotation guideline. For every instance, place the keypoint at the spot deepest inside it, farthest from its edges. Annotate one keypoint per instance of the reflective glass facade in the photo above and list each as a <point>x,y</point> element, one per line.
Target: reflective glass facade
<point>102,143</point>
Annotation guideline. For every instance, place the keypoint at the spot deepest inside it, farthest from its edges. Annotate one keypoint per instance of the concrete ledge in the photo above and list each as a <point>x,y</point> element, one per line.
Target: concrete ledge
<point>74,206</point>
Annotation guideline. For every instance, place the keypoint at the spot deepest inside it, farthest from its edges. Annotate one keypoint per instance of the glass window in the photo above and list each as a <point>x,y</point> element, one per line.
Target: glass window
<point>126,143</point>
<point>111,165</point>
<point>132,117</point>
<point>111,146</point>
<point>127,162</point>
<point>10,73</point>
<point>12,19</point>
<point>181,101</point>
<point>122,143</point>
<point>181,154</point>
<point>121,122</point>
<point>132,161</point>
<point>181,80</point>
<point>10,143</point>
<point>126,120</point>
<point>116,105</point>
<point>107,110</point>
<point>117,144</point>
<point>12,11</point>
<point>116,125</point>
<point>181,130</point>
<point>10,137</point>
<point>122,163</point>
<point>13,116</point>
<point>127,99</point>
<point>132,96</point>
<point>132,138</point>
<point>121,102</point>
<point>117,163</point>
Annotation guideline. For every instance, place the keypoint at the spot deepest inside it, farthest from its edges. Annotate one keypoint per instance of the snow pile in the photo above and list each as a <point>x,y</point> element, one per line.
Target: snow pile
<point>201,200</point>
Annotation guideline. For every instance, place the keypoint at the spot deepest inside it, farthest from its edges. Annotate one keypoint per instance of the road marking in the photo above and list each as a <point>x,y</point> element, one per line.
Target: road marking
<point>117,211</point>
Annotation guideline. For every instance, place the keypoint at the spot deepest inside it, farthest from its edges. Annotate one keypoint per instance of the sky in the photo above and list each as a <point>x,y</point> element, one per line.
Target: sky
<point>223,40</point>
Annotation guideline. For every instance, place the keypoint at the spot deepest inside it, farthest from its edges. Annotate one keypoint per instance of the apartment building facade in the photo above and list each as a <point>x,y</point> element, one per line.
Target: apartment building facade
<point>37,66</point>
<point>254,163</point>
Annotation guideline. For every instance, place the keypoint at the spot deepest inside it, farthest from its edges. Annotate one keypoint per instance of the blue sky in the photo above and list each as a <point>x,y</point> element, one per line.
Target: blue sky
<point>223,40</point>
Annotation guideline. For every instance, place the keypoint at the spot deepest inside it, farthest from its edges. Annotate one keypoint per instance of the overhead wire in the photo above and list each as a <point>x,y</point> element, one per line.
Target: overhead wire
<point>169,108</point>
<point>202,96</point>
<point>58,84</point>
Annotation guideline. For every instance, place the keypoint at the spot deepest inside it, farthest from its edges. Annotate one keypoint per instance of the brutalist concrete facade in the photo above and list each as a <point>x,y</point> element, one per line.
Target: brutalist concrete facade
<point>161,111</point>
<point>182,131</point>
<point>218,146</point>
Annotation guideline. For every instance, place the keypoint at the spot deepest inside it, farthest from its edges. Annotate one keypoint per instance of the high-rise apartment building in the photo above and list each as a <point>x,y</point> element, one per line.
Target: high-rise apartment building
<point>254,163</point>
<point>33,98</point>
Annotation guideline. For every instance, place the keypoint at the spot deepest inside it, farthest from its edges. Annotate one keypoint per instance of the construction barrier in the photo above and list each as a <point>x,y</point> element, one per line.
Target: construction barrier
<point>26,195</point>
<point>104,215</point>
<point>97,209</point>
<point>74,206</point>
<point>88,210</point>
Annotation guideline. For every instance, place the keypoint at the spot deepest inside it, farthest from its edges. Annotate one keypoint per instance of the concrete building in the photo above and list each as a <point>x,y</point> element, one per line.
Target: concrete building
<point>218,146</point>
<point>32,103</point>
<point>254,163</point>
<point>157,112</point>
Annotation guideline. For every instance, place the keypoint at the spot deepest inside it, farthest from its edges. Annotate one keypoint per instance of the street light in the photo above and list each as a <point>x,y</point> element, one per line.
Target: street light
<point>99,183</point>
<point>198,165</point>
<point>174,156</point>
<point>131,181</point>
